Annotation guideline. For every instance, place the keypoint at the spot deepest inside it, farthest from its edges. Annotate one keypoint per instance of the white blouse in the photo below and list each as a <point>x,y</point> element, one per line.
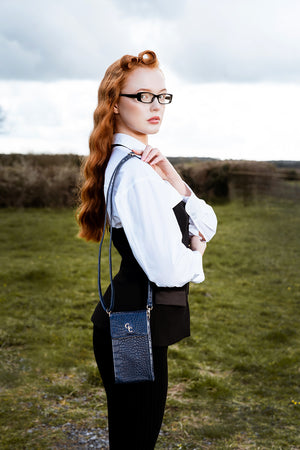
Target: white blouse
<point>143,205</point>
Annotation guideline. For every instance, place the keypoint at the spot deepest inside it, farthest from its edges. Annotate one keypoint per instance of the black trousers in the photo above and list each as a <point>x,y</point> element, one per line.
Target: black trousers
<point>135,410</point>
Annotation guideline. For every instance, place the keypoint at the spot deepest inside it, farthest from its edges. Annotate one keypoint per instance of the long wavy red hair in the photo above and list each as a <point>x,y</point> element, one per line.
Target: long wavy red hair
<point>91,211</point>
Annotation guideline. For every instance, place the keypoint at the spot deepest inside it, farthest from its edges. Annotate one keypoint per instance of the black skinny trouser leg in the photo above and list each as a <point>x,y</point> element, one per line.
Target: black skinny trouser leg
<point>135,410</point>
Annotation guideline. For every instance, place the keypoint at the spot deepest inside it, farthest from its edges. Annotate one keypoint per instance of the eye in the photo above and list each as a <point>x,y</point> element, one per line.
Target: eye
<point>146,96</point>
<point>165,98</point>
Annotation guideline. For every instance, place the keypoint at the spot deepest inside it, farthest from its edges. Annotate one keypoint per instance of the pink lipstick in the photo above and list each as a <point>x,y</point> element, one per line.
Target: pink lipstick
<point>154,120</point>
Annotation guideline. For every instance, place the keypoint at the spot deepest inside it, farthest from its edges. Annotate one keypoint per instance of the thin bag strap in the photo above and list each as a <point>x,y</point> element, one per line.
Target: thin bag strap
<point>110,308</point>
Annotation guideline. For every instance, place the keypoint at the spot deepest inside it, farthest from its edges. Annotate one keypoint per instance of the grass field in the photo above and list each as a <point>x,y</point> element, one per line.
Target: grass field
<point>235,383</point>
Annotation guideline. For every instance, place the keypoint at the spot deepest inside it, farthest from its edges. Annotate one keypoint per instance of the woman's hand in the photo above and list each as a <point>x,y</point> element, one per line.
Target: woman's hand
<point>198,244</point>
<point>164,168</point>
<point>156,160</point>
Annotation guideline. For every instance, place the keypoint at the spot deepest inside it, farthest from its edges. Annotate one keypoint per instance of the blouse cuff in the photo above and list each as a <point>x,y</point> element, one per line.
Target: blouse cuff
<point>199,277</point>
<point>202,217</point>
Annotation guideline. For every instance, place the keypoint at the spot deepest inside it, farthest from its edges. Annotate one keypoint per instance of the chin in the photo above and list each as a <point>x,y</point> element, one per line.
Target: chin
<point>154,130</point>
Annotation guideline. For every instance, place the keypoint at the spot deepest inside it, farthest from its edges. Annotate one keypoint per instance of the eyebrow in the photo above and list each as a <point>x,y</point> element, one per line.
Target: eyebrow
<point>147,90</point>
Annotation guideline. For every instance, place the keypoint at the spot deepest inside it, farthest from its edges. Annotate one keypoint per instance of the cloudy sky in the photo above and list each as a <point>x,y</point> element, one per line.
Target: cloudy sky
<point>233,67</point>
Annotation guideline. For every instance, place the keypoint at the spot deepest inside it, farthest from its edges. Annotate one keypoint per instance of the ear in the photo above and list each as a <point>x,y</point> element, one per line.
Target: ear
<point>116,109</point>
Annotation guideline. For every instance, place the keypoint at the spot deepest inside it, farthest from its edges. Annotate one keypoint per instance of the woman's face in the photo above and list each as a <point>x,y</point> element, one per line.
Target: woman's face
<point>133,117</point>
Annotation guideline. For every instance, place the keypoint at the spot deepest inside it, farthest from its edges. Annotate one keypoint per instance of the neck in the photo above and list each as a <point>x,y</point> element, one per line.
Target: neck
<point>139,136</point>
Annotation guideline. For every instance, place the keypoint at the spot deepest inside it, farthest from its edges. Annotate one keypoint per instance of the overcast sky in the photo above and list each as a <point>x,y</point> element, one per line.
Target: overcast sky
<point>232,65</point>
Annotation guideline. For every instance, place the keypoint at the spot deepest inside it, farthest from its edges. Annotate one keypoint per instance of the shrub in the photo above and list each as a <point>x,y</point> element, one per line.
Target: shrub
<point>52,180</point>
<point>221,181</point>
<point>39,180</point>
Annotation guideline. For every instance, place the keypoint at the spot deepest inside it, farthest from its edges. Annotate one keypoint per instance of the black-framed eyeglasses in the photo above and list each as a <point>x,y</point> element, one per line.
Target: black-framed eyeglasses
<point>148,97</point>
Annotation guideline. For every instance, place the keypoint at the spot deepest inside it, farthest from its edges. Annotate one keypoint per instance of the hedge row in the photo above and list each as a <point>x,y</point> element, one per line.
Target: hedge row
<point>39,180</point>
<point>218,181</point>
<point>52,180</point>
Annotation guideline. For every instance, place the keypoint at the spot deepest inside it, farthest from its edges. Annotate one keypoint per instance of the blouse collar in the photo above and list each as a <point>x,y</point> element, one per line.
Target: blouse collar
<point>129,141</point>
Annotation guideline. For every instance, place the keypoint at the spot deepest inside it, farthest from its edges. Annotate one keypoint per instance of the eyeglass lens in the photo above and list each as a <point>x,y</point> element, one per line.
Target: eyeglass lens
<point>147,97</point>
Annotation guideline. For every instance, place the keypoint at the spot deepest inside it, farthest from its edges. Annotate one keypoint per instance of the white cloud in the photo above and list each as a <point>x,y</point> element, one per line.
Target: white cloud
<point>246,40</point>
<point>232,65</point>
<point>217,40</point>
<point>144,9</point>
<point>233,121</point>
<point>60,39</point>
<point>47,116</point>
<point>221,120</point>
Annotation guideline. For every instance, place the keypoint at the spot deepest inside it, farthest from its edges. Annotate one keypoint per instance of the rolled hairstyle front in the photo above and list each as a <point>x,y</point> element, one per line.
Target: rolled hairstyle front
<point>91,210</point>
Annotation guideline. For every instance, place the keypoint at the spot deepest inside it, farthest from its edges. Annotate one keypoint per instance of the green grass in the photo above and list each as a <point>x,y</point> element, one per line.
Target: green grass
<point>235,383</point>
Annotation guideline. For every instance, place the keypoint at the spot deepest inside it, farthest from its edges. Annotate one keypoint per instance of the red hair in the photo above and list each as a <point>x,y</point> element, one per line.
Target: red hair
<point>91,211</point>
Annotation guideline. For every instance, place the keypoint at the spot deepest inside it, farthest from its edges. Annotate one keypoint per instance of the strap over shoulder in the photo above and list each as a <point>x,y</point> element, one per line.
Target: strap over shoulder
<point>110,308</point>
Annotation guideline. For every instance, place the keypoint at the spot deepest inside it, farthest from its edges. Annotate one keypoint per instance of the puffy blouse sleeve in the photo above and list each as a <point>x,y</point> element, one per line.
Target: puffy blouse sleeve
<point>144,205</point>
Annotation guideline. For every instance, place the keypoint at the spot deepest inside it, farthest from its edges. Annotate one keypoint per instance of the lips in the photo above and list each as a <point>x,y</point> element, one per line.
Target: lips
<point>154,119</point>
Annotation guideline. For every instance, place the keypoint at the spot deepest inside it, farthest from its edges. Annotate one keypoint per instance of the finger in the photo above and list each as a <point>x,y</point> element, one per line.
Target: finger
<point>146,152</point>
<point>152,154</point>
<point>156,160</point>
<point>202,238</point>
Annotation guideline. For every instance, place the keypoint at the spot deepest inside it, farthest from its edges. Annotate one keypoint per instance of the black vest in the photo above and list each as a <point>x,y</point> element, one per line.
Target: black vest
<point>170,318</point>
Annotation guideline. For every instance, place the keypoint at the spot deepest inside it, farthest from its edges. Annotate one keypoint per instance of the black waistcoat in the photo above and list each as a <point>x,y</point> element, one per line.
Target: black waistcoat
<point>170,319</point>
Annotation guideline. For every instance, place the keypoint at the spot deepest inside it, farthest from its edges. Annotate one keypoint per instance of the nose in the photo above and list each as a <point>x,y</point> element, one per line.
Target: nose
<point>155,105</point>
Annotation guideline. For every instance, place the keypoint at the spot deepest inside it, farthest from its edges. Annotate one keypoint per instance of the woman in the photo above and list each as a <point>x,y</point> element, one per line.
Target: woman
<point>160,228</point>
